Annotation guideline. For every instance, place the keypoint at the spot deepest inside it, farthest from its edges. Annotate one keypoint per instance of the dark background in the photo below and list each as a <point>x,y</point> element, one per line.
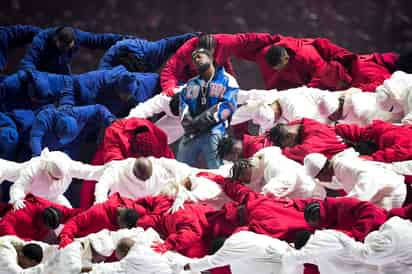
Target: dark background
<point>360,25</point>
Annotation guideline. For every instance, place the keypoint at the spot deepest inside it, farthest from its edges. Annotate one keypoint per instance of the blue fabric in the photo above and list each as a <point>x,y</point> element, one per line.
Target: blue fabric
<point>33,89</point>
<point>222,90</point>
<point>45,131</point>
<point>46,87</point>
<point>205,145</point>
<point>153,53</point>
<point>14,37</point>
<point>24,120</point>
<point>12,85</point>
<point>45,56</point>
<point>13,93</point>
<point>103,86</point>
<point>66,128</point>
<point>9,137</point>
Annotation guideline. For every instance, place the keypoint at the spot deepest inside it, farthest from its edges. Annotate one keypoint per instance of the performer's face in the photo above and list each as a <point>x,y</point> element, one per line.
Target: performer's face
<point>236,152</point>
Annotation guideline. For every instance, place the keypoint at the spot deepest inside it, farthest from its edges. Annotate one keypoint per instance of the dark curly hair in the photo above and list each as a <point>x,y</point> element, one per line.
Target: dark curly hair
<point>238,167</point>
<point>225,146</point>
<point>274,55</point>
<point>207,41</point>
<point>276,134</point>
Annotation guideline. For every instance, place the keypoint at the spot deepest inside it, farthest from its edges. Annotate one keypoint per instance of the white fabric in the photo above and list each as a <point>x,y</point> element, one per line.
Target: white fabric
<point>245,252</point>
<point>325,249</point>
<point>314,163</point>
<point>8,256</point>
<point>404,167</point>
<point>76,255</point>
<point>254,105</point>
<point>169,123</point>
<point>389,247</point>
<point>119,177</point>
<point>276,174</point>
<point>172,126</point>
<point>34,177</point>
<point>102,243</point>
<point>295,103</point>
<point>10,171</point>
<point>141,258</point>
<point>244,96</point>
<point>368,182</point>
<point>358,108</point>
<point>362,108</point>
<point>64,261</point>
<point>328,104</point>
<point>156,104</point>
<point>395,93</point>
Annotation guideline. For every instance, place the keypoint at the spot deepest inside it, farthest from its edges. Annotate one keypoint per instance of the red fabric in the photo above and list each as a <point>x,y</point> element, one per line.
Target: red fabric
<point>263,215</point>
<point>349,215</point>
<point>310,269</point>
<point>239,130</point>
<point>180,68</point>
<point>394,142</point>
<point>27,223</point>
<point>155,205</point>
<point>332,52</point>
<point>223,222</point>
<point>402,212</point>
<point>306,67</point>
<point>120,143</point>
<point>316,137</point>
<point>220,270</point>
<point>252,144</point>
<point>120,139</point>
<point>183,230</point>
<point>87,190</point>
<point>96,218</point>
<point>370,70</point>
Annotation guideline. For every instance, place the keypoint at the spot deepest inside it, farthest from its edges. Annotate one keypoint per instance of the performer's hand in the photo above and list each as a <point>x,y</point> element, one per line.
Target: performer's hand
<point>19,204</point>
<point>177,204</point>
